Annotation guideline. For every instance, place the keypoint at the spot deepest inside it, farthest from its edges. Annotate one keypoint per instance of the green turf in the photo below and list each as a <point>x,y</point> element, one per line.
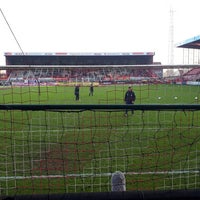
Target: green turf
<point>83,148</point>
<point>146,94</point>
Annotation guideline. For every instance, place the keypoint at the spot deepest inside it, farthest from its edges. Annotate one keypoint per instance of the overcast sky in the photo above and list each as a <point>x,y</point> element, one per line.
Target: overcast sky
<point>96,25</point>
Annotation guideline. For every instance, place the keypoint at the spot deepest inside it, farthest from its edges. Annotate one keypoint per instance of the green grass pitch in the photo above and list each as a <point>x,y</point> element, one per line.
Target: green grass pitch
<point>146,94</point>
<point>72,151</point>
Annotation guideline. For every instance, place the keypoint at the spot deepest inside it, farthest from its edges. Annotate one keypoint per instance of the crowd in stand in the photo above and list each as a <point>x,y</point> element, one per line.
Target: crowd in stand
<point>76,74</point>
<point>192,75</point>
<point>81,74</point>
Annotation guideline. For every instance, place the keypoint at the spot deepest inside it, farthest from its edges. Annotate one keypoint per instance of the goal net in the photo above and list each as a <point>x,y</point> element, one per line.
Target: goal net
<point>65,149</point>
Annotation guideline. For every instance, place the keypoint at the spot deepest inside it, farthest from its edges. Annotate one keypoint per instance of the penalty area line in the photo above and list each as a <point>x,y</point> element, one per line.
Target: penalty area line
<point>100,175</point>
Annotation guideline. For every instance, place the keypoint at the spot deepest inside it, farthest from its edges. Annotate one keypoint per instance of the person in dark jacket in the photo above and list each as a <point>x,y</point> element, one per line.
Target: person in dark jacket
<point>91,90</point>
<point>129,98</point>
<point>76,92</point>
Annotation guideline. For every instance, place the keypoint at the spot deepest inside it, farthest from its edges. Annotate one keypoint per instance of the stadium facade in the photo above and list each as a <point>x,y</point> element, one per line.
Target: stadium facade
<point>101,68</point>
<point>124,58</point>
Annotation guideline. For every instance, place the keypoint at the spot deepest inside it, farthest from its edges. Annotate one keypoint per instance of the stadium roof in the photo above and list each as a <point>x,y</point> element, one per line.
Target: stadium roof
<point>67,58</point>
<point>79,54</point>
<point>151,66</point>
<point>191,43</point>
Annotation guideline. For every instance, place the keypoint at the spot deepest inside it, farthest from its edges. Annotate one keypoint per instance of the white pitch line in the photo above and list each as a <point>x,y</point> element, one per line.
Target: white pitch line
<point>99,175</point>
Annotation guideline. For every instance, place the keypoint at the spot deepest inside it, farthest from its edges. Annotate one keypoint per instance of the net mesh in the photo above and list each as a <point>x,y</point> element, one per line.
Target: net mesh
<point>67,151</point>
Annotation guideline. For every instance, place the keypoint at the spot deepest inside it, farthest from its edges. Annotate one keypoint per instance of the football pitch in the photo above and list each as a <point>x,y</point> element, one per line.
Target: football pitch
<point>62,151</point>
<point>146,94</point>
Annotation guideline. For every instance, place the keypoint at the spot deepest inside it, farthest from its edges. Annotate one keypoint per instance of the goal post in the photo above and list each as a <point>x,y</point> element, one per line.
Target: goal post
<point>61,151</point>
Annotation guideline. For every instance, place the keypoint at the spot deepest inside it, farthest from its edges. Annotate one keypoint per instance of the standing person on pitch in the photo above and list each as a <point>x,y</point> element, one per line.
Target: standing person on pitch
<point>91,89</point>
<point>76,92</point>
<point>129,98</point>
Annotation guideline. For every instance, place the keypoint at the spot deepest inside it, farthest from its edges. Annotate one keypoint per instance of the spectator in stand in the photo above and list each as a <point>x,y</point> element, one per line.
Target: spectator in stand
<point>91,89</point>
<point>76,92</point>
<point>129,99</point>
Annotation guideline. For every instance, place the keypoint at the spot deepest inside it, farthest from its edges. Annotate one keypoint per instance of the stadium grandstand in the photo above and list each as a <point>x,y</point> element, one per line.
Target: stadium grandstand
<point>191,50</point>
<point>191,55</point>
<point>103,68</point>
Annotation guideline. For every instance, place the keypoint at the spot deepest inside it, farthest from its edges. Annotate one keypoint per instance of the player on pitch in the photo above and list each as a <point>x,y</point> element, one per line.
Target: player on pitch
<point>129,98</point>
